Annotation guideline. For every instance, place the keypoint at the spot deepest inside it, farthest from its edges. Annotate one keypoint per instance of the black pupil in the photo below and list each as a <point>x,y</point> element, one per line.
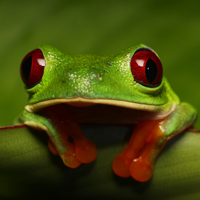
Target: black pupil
<point>151,70</point>
<point>26,68</point>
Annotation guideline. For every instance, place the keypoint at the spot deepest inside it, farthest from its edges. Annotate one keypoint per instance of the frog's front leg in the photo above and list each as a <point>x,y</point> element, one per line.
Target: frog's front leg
<point>148,139</point>
<point>65,135</point>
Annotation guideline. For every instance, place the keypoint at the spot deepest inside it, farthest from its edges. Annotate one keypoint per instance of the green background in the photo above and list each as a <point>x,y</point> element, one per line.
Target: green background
<point>171,28</point>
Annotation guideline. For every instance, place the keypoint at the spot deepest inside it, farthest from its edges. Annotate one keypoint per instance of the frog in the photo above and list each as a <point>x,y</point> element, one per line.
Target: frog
<point>126,88</point>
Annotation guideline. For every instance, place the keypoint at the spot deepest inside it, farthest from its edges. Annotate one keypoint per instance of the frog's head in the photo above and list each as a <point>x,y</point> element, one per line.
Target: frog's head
<point>132,79</point>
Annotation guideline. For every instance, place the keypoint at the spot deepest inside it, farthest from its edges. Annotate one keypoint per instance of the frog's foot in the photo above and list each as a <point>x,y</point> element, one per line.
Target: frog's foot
<point>137,159</point>
<point>77,153</point>
<point>70,143</point>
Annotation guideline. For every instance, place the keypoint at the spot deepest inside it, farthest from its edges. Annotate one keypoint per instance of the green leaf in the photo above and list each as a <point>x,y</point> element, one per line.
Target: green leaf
<point>28,170</point>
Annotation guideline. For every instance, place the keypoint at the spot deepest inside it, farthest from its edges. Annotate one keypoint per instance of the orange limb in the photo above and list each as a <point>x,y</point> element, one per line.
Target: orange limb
<point>52,148</point>
<point>69,141</point>
<point>137,159</point>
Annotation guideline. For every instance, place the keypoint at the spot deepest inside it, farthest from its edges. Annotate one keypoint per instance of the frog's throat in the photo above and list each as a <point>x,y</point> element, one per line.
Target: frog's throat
<point>162,110</point>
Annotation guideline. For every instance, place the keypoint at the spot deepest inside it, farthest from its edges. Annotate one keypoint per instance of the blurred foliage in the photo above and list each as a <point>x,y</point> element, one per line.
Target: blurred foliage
<point>32,172</point>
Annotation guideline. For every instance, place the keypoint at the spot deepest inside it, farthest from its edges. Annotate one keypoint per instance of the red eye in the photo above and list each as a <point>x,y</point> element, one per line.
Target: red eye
<point>146,68</point>
<point>32,67</point>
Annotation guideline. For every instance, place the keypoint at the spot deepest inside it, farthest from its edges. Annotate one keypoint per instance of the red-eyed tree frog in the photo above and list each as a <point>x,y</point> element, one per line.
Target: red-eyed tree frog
<point>128,88</point>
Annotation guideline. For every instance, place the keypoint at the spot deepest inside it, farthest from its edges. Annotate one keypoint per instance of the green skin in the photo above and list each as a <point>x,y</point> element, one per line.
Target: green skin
<point>89,79</point>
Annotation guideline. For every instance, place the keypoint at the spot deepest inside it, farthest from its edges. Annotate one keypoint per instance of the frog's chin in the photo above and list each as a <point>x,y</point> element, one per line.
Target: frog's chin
<point>90,108</point>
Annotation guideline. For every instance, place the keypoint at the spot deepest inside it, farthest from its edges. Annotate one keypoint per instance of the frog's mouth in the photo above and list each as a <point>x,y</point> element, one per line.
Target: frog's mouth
<point>105,111</point>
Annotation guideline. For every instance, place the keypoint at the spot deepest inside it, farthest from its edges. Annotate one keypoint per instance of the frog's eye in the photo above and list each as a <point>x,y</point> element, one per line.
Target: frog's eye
<point>146,68</point>
<point>32,67</point>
